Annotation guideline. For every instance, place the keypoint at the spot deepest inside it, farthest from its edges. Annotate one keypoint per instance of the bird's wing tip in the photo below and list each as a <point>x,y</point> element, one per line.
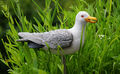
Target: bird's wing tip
<point>22,34</point>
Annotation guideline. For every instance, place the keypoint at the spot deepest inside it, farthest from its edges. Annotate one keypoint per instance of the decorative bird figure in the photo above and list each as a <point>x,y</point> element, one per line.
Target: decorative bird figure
<point>68,39</point>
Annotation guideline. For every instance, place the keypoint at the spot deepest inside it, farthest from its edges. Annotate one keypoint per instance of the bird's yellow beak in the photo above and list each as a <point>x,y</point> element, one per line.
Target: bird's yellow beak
<point>91,19</point>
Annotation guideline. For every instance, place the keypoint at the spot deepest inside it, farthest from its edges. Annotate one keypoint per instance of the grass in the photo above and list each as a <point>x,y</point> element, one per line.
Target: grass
<point>100,54</point>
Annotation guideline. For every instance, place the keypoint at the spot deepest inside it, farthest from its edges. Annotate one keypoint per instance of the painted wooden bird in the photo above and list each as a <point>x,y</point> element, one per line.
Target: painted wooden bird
<point>67,39</point>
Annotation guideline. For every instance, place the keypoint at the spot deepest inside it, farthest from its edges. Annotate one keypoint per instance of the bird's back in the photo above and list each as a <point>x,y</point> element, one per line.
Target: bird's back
<point>61,37</point>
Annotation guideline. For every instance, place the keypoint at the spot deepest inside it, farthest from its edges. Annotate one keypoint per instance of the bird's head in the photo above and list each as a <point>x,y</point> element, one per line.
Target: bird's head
<point>84,17</point>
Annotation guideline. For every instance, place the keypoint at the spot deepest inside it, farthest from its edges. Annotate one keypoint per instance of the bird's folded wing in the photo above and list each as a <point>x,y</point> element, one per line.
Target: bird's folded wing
<point>62,38</point>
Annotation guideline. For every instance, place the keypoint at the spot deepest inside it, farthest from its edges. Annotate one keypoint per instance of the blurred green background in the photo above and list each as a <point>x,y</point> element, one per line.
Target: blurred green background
<point>30,10</point>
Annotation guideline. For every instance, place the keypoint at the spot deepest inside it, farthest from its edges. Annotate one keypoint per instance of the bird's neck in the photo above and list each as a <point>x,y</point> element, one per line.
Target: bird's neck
<point>78,30</point>
<point>79,27</point>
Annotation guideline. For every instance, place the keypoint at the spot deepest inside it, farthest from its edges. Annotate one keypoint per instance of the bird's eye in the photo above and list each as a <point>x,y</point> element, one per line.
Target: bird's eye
<point>82,16</point>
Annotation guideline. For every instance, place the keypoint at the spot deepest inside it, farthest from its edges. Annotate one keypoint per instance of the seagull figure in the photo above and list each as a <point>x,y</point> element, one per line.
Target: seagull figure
<point>67,39</point>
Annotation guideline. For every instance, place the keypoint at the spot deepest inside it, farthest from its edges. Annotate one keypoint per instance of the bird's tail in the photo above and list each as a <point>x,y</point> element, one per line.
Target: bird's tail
<point>22,40</point>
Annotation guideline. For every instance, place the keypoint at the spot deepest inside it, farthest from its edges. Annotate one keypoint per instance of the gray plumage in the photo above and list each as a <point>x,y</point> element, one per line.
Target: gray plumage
<point>61,37</point>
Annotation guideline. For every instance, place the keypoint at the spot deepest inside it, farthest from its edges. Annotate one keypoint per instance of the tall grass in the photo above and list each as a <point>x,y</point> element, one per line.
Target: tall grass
<point>100,54</point>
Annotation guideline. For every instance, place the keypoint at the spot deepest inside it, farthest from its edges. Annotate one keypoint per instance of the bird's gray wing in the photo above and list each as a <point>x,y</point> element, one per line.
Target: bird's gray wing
<point>62,38</point>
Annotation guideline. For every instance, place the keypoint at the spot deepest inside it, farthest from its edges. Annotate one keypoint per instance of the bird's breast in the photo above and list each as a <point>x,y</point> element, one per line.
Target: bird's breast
<point>75,43</point>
